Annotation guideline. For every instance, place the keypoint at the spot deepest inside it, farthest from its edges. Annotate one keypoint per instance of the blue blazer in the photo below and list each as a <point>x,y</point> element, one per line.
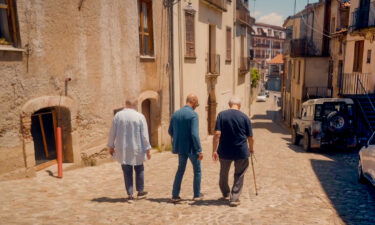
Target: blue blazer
<point>184,130</point>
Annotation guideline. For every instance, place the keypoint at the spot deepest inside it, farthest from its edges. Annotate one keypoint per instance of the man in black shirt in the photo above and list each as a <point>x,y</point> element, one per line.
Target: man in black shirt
<point>233,141</point>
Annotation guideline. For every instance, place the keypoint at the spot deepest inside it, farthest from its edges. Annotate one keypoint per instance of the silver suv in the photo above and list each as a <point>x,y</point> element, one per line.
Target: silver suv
<point>325,121</point>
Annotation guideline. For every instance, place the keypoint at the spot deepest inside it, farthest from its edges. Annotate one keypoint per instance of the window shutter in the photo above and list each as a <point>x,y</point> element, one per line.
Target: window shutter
<point>190,34</point>
<point>229,44</point>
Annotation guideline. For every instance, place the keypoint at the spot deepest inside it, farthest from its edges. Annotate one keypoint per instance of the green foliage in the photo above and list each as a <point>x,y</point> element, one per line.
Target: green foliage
<point>255,77</point>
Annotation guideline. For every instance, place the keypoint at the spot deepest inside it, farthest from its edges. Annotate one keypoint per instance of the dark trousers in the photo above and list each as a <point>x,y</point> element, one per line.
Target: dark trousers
<point>240,167</point>
<point>182,160</point>
<point>128,178</point>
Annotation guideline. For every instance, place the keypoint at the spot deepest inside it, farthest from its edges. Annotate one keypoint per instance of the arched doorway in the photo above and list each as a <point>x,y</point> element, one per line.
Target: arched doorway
<point>43,128</point>
<point>149,106</point>
<point>44,112</point>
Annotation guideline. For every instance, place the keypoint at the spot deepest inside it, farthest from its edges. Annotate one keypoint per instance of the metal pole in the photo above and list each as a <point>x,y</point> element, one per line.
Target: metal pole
<point>59,152</point>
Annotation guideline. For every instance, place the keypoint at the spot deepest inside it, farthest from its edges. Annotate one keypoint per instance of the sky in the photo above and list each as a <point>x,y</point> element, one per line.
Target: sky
<point>275,11</point>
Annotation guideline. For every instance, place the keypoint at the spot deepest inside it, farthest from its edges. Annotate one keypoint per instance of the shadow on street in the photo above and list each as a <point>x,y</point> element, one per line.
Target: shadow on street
<point>354,202</point>
<point>109,200</point>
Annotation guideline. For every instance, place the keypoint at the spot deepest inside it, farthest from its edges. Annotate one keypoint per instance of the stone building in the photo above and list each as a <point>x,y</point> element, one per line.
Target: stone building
<point>72,64</point>
<point>211,57</point>
<point>267,42</point>
<point>338,32</point>
<point>359,66</point>
<point>306,58</point>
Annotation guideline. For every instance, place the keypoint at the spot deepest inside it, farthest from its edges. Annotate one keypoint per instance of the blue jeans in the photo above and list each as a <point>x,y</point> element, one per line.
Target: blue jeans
<point>182,160</point>
<point>128,177</point>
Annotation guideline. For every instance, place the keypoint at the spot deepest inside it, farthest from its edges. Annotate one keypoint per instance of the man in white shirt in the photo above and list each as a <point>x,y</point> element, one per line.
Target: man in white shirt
<point>128,143</point>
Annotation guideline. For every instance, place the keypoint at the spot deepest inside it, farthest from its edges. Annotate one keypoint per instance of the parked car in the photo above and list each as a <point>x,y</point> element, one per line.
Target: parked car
<point>366,165</point>
<point>325,121</point>
<point>261,97</point>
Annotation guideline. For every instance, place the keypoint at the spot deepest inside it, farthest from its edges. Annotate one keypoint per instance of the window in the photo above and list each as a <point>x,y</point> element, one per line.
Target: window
<point>368,60</point>
<point>146,39</point>
<point>269,32</point>
<point>299,72</point>
<point>190,34</point>
<point>358,56</point>
<point>229,44</point>
<point>8,23</point>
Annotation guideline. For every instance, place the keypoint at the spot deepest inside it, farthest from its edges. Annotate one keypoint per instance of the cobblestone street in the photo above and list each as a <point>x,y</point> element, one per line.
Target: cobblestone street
<point>294,188</point>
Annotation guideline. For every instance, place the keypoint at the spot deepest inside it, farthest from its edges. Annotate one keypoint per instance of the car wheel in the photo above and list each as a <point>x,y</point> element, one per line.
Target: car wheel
<point>295,137</point>
<point>306,142</point>
<point>361,177</point>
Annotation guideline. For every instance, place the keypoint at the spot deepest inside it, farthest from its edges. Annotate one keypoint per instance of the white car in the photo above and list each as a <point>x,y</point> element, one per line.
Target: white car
<point>366,165</point>
<point>261,98</point>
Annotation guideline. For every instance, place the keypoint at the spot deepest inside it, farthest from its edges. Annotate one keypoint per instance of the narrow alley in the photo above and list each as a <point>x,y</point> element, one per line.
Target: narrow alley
<point>294,187</point>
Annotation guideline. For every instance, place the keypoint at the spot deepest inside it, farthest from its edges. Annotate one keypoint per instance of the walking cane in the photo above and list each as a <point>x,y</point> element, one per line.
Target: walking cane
<point>255,182</point>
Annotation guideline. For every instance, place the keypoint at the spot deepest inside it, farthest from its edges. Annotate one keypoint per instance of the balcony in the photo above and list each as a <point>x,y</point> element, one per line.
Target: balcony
<point>244,65</point>
<point>354,83</point>
<point>317,92</point>
<point>220,5</point>
<point>213,65</point>
<point>302,48</point>
<point>261,45</point>
<point>363,17</point>
<point>243,14</point>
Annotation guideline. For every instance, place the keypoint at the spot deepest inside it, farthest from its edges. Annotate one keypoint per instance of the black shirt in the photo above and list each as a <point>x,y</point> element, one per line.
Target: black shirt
<point>235,127</point>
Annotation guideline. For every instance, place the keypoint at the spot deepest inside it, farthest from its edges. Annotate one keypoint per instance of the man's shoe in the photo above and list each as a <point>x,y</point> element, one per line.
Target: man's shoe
<point>142,194</point>
<point>176,199</point>
<point>130,199</point>
<point>234,203</point>
<point>199,198</point>
<point>224,198</point>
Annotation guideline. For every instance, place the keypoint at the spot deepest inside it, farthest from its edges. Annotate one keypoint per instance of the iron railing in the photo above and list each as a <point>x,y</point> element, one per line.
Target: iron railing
<point>317,92</point>
<point>363,17</point>
<point>213,64</point>
<point>219,4</point>
<point>303,48</point>
<point>243,14</point>
<point>354,83</point>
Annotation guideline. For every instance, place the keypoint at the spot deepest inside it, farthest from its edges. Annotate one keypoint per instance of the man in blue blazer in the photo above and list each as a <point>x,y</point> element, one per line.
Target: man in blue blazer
<point>184,130</point>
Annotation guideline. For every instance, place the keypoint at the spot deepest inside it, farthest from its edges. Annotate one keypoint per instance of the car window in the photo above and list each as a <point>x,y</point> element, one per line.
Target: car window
<point>318,111</point>
<point>304,112</point>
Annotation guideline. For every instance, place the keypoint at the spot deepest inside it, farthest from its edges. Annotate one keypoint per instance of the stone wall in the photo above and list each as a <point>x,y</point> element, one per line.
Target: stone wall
<point>97,47</point>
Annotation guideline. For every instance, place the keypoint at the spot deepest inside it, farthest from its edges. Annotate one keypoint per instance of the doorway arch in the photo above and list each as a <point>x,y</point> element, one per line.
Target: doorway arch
<point>149,106</point>
<point>38,107</point>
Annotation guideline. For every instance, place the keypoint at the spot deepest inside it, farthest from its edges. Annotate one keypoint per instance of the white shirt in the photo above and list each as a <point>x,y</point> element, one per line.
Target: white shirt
<point>129,137</point>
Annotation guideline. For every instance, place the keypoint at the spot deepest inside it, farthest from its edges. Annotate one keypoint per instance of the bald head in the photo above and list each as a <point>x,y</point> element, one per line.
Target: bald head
<point>192,100</point>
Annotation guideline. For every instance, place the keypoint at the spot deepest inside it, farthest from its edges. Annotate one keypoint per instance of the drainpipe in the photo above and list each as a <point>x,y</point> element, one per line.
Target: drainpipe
<point>170,62</point>
<point>234,46</point>
<point>180,56</point>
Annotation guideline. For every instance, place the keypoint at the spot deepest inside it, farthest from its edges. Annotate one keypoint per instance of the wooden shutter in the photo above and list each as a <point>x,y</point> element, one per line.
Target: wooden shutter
<point>229,44</point>
<point>146,39</point>
<point>190,34</point>
<point>358,56</point>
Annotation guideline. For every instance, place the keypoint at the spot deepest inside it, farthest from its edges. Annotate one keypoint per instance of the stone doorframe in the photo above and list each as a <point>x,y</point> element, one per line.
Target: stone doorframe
<point>36,104</point>
<point>155,104</point>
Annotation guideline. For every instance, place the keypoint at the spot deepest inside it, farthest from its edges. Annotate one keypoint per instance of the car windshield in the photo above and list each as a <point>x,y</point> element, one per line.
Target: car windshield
<point>322,110</point>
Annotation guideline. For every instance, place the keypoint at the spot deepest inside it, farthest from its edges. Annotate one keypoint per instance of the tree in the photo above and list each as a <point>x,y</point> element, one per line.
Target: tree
<point>254,77</point>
